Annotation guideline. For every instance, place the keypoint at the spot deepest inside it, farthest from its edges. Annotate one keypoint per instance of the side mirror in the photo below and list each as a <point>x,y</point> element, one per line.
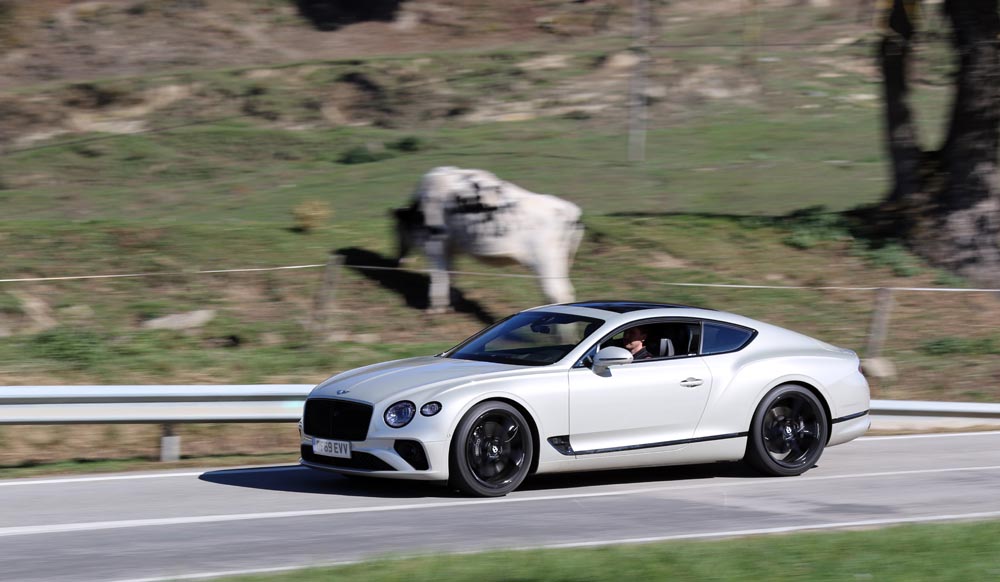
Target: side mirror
<point>611,356</point>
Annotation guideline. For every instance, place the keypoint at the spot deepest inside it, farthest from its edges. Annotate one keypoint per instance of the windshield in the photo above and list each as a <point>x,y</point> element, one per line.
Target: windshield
<point>532,338</point>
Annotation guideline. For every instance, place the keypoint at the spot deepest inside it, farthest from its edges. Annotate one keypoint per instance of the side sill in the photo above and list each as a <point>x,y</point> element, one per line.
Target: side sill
<point>562,445</point>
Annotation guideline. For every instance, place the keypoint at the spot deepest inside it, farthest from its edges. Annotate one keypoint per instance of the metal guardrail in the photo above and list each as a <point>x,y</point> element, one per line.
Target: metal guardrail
<point>170,405</point>
<point>268,403</point>
<point>151,404</point>
<point>938,409</point>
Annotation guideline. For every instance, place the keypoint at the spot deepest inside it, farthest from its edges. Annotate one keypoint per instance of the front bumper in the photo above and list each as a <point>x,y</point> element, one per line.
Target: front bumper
<point>388,458</point>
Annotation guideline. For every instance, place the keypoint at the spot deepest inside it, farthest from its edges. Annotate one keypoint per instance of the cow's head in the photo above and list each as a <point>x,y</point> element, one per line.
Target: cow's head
<point>410,229</point>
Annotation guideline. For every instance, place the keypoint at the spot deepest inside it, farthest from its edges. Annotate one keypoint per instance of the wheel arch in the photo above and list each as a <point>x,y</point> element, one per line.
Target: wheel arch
<point>819,396</point>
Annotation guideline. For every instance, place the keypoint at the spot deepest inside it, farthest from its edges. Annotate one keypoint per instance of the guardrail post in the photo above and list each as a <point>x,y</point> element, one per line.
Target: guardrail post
<point>170,445</point>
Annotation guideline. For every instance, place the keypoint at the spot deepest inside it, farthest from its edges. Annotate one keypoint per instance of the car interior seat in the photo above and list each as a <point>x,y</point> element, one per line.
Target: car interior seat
<point>666,348</point>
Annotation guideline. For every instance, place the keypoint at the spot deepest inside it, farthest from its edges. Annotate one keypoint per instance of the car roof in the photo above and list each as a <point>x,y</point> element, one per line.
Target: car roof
<point>627,306</point>
<point>620,312</point>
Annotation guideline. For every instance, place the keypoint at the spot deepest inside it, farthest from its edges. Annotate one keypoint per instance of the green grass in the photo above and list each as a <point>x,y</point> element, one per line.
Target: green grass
<point>939,553</point>
<point>951,346</point>
<point>197,173</point>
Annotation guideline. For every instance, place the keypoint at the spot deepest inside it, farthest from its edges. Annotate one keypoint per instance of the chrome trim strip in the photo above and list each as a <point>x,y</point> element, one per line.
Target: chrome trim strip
<point>849,417</point>
<point>720,437</point>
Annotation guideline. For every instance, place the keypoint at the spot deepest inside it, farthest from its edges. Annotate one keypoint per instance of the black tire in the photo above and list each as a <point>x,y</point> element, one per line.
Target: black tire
<point>788,432</point>
<point>491,451</point>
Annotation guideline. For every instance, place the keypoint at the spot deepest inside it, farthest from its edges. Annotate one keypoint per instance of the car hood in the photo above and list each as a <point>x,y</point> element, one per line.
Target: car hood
<point>402,378</point>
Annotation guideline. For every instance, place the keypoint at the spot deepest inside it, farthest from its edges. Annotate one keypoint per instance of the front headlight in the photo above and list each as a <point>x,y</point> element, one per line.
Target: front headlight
<point>430,409</point>
<point>400,414</point>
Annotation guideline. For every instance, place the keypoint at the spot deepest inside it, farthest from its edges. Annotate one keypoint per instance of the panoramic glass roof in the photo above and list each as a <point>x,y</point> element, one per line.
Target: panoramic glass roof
<point>624,306</point>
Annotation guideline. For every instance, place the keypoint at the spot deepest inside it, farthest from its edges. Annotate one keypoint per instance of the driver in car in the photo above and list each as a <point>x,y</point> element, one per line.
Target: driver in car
<point>635,342</point>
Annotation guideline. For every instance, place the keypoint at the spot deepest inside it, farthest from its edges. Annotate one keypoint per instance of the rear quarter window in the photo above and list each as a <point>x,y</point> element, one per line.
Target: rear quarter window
<point>719,338</point>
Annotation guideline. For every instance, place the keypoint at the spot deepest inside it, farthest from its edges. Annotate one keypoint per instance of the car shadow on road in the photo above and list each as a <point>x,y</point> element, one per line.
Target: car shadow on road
<point>296,479</point>
<point>634,476</point>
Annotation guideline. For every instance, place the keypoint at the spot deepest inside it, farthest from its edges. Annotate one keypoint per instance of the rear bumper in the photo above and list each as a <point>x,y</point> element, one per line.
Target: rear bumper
<point>849,429</point>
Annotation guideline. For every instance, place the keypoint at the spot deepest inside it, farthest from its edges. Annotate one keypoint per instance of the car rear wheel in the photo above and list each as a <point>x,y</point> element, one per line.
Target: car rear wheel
<point>788,432</point>
<point>491,451</point>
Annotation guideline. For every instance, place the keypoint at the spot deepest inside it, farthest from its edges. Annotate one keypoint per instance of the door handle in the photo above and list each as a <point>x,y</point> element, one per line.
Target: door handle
<point>692,382</point>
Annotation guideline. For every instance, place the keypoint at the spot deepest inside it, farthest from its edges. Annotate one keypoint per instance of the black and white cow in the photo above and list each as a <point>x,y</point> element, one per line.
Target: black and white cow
<point>473,211</point>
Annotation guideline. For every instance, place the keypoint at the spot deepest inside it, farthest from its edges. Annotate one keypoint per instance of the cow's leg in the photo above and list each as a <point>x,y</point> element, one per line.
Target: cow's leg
<point>437,252</point>
<point>553,268</point>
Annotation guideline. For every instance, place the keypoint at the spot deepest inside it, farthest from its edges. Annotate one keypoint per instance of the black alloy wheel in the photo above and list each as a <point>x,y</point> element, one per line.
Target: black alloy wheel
<point>788,432</point>
<point>491,451</point>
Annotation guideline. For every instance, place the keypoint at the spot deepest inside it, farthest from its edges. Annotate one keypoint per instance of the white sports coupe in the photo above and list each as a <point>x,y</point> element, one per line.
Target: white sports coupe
<point>587,386</point>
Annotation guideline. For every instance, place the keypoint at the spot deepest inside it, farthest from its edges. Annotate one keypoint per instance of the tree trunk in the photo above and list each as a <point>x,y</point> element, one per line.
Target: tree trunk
<point>964,233</point>
<point>894,54</point>
<point>946,204</point>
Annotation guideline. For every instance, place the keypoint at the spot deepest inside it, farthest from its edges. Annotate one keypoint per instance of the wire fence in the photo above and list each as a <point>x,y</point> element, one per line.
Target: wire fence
<point>499,275</point>
<point>938,341</point>
<point>323,302</point>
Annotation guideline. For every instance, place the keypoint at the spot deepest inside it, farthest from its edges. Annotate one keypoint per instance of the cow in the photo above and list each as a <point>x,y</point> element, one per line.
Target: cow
<point>472,211</point>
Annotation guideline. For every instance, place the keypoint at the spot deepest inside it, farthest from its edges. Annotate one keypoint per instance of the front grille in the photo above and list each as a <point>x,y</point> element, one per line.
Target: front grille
<point>336,419</point>
<point>358,460</point>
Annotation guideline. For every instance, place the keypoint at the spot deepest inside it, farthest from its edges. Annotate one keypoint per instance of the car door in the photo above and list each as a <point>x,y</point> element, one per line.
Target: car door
<point>647,404</point>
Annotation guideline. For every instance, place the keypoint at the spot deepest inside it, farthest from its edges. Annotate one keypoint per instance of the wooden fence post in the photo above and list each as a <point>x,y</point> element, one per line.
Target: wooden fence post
<point>880,323</point>
<point>638,115</point>
<point>327,292</point>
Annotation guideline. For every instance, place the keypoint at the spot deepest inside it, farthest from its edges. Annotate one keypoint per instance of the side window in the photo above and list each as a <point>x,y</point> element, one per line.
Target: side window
<point>661,339</point>
<point>676,339</point>
<point>723,338</point>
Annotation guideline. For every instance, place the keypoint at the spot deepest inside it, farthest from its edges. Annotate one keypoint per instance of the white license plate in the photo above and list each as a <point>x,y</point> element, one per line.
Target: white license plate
<point>341,449</point>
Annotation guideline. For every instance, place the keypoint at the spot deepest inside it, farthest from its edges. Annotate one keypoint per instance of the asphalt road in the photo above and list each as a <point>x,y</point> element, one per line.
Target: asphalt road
<point>189,524</point>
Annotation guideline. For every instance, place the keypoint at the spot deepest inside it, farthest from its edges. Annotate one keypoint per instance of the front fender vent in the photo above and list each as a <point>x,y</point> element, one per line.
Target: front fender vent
<point>561,444</point>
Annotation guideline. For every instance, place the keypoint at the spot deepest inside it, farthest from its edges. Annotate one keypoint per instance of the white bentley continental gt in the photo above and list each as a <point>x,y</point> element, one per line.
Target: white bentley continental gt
<point>587,386</point>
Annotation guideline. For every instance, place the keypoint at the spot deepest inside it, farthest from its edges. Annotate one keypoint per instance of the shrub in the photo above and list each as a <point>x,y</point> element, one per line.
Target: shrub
<point>362,155</point>
<point>311,215</point>
<point>893,256</point>
<point>409,143</point>
<point>81,348</point>
<point>811,226</point>
<point>10,305</point>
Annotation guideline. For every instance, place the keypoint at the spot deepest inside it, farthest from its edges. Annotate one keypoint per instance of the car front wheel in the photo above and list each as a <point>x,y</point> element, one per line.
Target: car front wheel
<point>491,451</point>
<point>788,432</point>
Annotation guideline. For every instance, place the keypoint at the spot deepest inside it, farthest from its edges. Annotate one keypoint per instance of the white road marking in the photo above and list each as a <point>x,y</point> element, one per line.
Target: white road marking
<point>228,573</point>
<point>60,481</point>
<point>120,477</point>
<point>220,518</point>
<point>927,436</point>
<point>610,542</point>
<point>16,482</point>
